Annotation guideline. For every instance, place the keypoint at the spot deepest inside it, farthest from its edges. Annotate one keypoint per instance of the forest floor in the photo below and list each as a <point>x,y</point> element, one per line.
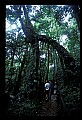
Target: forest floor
<point>46,108</point>
<point>49,108</point>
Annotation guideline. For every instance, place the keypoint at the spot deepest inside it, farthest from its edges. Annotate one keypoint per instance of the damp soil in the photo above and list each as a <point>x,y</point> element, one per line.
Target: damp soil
<point>49,108</point>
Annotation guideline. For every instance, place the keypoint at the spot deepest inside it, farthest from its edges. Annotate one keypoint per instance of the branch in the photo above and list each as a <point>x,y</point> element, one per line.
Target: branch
<point>20,19</point>
<point>28,26</point>
<point>68,59</point>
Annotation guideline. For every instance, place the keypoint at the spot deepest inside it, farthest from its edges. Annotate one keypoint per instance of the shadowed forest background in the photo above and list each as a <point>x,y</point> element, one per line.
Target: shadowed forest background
<point>42,43</point>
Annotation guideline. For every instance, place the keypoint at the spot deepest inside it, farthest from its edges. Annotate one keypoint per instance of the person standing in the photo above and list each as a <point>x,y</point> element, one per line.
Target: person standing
<point>47,89</point>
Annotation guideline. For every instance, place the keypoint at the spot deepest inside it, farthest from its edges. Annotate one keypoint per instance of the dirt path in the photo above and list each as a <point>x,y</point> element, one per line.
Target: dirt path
<point>49,108</point>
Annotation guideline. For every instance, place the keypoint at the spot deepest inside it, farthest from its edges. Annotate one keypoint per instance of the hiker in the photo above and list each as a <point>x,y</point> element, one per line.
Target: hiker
<point>47,89</point>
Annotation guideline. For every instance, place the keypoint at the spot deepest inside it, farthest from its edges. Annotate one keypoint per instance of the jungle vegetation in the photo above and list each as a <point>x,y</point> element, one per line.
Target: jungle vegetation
<point>42,42</point>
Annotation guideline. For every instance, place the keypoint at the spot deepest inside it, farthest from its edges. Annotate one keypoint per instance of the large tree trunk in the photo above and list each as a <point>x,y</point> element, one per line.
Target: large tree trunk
<point>28,31</point>
<point>37,62</point>
<point>76,14</point>
<point>11,72</point>
<point>18,82</point>
<point>31,37</point>
<point>48,62</point>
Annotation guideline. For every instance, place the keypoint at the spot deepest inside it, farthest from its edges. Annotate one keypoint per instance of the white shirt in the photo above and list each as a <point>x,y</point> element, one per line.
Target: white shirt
<point>47,86</point>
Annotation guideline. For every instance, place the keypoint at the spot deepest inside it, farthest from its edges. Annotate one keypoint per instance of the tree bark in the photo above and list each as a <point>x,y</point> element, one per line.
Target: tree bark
<point>11,72</point>
<point>37,61</point>
<point>76,13</point>
<point>48,62</point>
<point>18,82</point>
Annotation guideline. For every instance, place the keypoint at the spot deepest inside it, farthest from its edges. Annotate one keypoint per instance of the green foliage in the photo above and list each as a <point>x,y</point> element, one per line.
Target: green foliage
<point>48,20</point>
<point>71,96</point>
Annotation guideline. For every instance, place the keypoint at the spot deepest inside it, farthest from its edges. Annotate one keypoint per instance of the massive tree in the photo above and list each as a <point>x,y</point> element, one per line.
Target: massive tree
<point>41,31</point>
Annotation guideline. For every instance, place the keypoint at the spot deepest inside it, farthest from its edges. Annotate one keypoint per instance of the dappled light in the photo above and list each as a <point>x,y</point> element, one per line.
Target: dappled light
<point>42,63</point>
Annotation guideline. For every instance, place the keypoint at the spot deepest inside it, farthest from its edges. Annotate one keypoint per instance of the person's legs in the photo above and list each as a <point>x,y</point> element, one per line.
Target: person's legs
<point>47,95</point>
